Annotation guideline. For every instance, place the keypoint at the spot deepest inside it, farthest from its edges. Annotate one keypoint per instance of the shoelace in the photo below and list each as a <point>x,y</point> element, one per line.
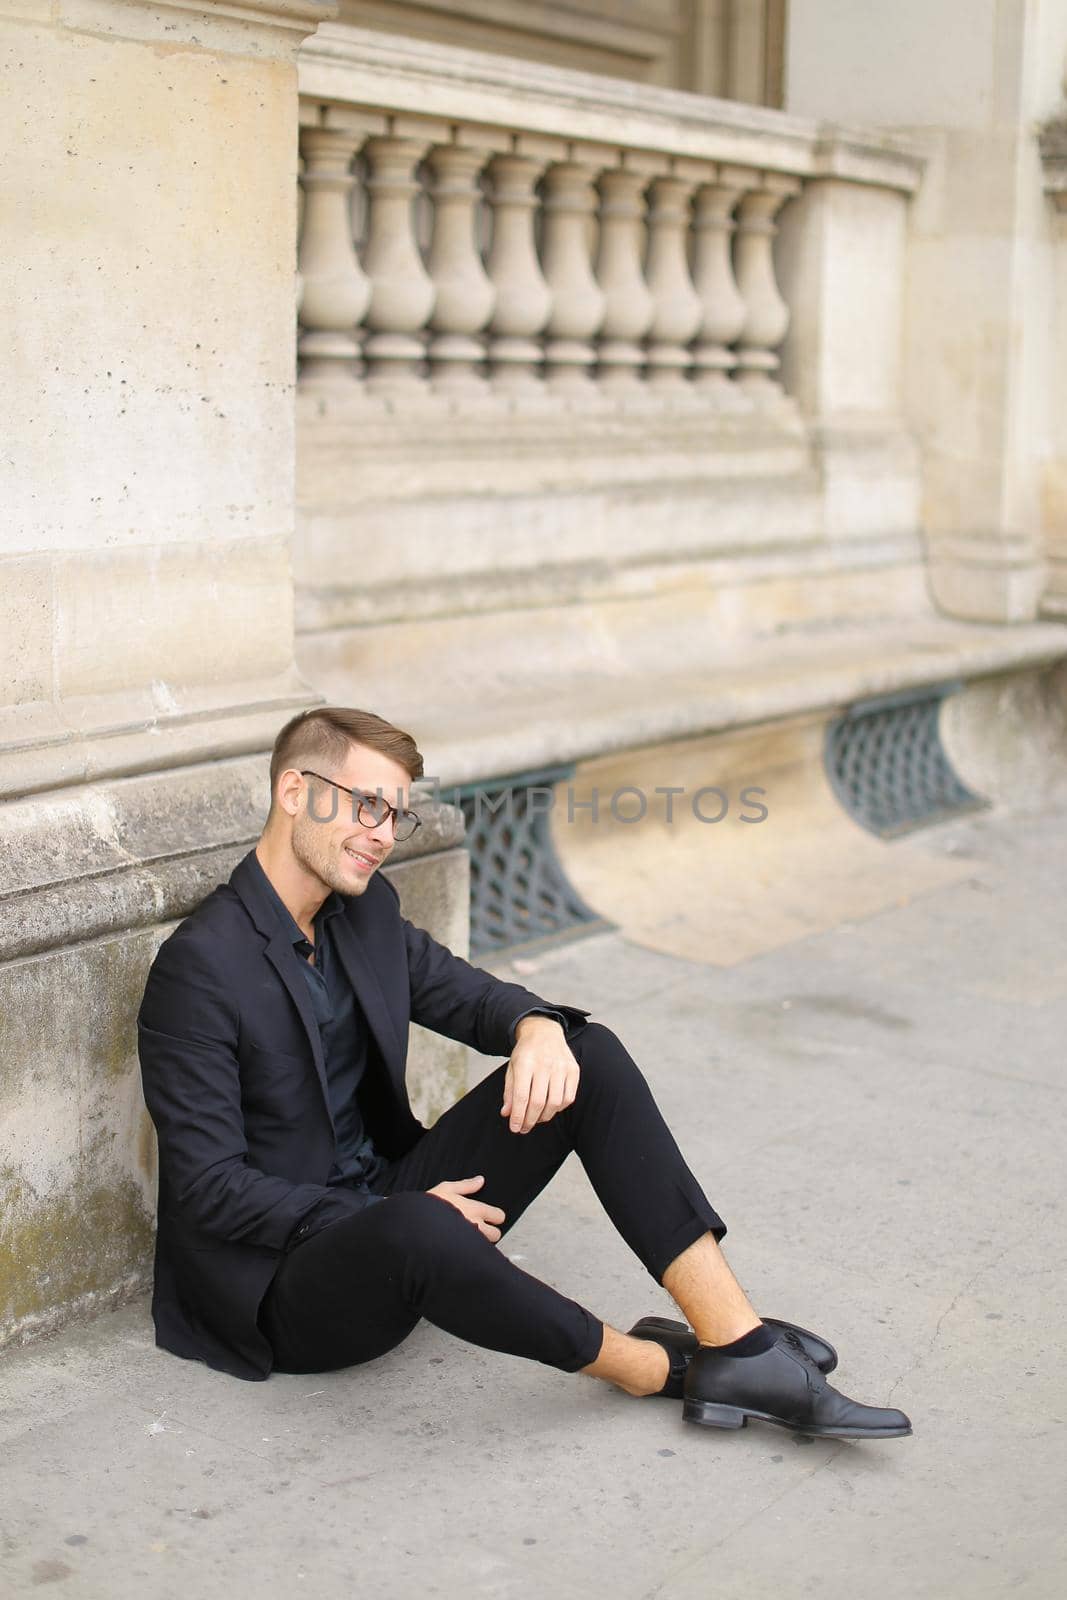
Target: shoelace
<point>812,1372</point>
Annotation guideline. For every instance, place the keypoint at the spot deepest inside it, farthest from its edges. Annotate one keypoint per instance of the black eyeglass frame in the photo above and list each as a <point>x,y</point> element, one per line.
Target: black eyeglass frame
<point>378,800</point>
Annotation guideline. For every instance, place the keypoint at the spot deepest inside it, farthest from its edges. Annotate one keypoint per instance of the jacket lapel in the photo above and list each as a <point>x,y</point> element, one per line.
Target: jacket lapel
<point>364,980</point>
<point>280,954</point>
<point>247,880</point>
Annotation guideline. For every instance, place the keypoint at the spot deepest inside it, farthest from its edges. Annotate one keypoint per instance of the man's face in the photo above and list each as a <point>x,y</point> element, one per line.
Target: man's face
<point>328,838</point>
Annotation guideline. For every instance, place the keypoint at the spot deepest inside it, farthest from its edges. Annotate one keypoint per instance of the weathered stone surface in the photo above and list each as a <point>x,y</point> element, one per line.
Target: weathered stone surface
<point>146,476</point>
<point>434,893</point>
<point>92,878</point>
<point>1006,735</point>
<point>77,1156</point>
<point>94,859</point>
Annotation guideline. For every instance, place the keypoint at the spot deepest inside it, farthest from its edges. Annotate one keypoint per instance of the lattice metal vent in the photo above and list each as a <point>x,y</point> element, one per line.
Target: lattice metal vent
<point>518,889</point>
<point>888,766</point>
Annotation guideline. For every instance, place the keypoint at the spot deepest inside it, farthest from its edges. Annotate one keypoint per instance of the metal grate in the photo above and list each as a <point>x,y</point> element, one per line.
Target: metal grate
<point>888,767</point>
<point>519,891</point>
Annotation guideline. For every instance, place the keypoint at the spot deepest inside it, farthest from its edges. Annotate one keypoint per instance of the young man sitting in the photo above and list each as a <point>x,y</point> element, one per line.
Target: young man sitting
<point>307,1221</point>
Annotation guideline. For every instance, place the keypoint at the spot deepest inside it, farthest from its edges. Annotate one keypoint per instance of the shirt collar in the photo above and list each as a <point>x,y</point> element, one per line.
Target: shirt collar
<point>332,904</point>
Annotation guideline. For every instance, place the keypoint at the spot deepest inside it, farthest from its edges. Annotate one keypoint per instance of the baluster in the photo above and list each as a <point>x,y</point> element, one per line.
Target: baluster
<point>678,309</point>
<point>569,205</point>
<point>523,298</point>
<point>628,300</point>
<point>766,313</point>
<point>334,291</point>
<point>713,277</point>
<point>402,293</point>
<point>464,295</point>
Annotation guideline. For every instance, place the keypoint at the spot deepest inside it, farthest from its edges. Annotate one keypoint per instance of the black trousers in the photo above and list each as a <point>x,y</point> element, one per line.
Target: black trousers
<point>357,1288</point>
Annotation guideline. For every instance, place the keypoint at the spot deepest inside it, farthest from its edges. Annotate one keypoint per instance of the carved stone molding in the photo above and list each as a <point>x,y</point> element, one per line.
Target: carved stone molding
<point>413,77</point>
<point>96,860</point>
<point>226,26</point>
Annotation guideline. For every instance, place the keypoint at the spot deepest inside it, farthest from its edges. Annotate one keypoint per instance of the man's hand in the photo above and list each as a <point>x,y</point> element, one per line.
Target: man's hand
<point>485,1218</point>
<point>542,1075</point>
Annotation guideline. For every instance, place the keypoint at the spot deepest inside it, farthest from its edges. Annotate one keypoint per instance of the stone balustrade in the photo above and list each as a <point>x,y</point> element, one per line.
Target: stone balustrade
<point>470,230</point>
<point>599,386</point>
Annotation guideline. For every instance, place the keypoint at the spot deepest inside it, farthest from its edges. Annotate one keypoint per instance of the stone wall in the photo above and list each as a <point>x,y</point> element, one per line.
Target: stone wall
<point>146,636</point>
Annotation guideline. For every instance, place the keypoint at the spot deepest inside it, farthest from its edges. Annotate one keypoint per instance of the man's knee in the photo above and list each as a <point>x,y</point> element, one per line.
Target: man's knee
<point>597,1045</point>
<point>415,1222</point>
<point>603,1058</point>
<point>595,1038</point>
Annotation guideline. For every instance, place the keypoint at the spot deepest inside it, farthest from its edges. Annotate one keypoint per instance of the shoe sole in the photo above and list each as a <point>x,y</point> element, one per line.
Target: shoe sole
<point>709,1415</point>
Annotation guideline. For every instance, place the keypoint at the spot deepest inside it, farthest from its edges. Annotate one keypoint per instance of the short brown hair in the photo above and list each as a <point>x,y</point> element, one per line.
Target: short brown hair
<point>325,734</point>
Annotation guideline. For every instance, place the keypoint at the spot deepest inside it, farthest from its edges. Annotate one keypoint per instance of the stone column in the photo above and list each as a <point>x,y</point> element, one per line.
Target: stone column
<point>402,291</point>
<point>146,638</point>
<point>147,475</point>
<point>464,295</point>
<point>628,303</point>
<point>979,291</point>
<point>523,298</point>
<point>713,278</point>
<point>677,306</point>
<point>766,313</point>
<point>569,205</point>
<point>335,291</point>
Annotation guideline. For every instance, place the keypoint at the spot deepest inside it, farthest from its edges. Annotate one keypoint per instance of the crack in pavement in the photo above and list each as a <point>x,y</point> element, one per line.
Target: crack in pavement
<point>692,1559</point>
<point>921,1359</point>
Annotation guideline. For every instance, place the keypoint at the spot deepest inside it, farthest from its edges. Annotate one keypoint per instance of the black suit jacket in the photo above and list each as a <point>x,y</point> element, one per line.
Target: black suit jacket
<point>235,1082</point>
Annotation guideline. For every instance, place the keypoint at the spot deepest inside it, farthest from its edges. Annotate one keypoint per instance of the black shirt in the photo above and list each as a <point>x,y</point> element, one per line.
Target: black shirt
<point>346,1040</point>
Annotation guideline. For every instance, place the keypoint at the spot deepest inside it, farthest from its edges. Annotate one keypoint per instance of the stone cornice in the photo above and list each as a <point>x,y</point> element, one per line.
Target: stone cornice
<point>410,77</point>
<point>278,13</point>
<point>230,25</point>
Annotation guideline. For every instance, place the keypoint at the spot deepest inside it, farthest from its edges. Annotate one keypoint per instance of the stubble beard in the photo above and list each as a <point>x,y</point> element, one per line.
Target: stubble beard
<point>312,852</point>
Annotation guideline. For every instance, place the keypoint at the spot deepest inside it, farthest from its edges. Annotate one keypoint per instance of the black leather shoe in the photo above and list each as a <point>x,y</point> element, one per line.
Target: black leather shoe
<point>680,1343</point>
<point>783,1386</point>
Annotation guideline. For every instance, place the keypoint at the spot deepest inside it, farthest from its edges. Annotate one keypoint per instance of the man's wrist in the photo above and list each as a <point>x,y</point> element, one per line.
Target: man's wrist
<point>536,1020</point>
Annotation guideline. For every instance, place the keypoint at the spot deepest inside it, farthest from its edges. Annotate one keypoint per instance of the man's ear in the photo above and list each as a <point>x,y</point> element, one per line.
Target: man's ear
<point>288,792</point>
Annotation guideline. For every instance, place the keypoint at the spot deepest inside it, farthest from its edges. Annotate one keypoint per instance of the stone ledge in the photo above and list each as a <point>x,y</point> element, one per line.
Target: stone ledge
<point>46,744</point>
<point>99,859</point>
<point>253,27</point>
<point>351,444</point>
<point>643,685</point>
<point>795,564</point>
<point>359,67</point>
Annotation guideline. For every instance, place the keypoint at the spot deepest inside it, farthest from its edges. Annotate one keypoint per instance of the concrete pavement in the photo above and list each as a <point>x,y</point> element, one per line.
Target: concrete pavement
<point>877,1112</point>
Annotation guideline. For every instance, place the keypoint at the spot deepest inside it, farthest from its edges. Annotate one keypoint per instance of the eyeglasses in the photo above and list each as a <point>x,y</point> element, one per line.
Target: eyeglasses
<point>372,809</point>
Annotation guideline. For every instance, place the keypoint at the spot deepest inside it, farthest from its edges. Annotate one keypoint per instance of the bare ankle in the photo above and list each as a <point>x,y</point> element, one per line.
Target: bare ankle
<point>637,1366</point>
<point>658,1363</point>
<point>721,1332</point>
